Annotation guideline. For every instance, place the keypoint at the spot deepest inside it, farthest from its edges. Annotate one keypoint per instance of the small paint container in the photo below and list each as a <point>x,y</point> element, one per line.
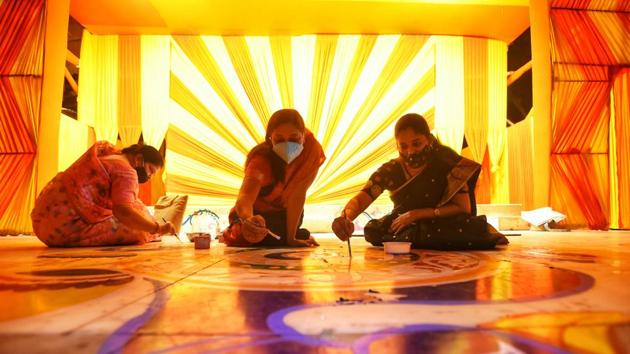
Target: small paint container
<point>202,241</point>
<point>397,247</point>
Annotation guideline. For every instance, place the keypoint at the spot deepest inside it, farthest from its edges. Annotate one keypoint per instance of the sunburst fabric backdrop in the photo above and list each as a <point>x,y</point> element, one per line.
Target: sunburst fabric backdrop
<point>210,97</point>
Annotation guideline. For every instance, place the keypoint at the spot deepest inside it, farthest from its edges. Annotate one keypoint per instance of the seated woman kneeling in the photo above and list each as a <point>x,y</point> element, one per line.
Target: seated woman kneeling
<point>95,201</point>
<point>432,188</point>
<point>277,174</point>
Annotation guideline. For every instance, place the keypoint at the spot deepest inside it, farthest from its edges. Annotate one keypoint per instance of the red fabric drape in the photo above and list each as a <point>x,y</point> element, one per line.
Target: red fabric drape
<point>21,59</point>
<point>578,39</point>
<point>580,139</point>
<point>15,170</point>
<point>583,199</point>
<point>17,17</point>
<point>609,5</point>
<point>580,117</point>
<point>573,179</point>
<point>15,136</point>
<point>587,38</point>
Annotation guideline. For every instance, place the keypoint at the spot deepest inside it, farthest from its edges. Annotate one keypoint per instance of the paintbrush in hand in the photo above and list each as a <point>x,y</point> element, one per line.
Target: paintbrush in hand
<point>349,246</point>
<point>176,236</point>
<point>271,233</point>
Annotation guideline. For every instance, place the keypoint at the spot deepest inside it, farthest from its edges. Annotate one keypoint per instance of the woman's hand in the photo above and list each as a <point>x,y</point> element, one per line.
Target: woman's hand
<point>303,243</point>
<point>254,229</point>
<point>402,221</point>
<point>166,229</point>
<point>343,227</point>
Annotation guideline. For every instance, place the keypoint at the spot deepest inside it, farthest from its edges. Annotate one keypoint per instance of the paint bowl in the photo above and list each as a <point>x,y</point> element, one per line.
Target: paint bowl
<point>397,247</point>
<point>201,239</point>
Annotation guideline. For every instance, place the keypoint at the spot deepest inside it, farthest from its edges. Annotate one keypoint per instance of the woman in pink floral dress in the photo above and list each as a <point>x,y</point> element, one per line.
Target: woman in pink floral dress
<point>95,201</point>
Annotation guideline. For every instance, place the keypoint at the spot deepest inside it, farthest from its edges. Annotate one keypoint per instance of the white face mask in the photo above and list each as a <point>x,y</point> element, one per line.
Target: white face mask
<point>288,151</point>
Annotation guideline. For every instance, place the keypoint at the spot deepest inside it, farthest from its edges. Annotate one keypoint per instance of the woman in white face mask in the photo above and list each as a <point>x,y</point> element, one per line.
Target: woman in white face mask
<point>270,204</point>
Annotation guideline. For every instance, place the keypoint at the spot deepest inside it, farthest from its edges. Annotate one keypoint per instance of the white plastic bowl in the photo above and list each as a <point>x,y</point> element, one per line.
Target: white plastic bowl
<point>397,247</point>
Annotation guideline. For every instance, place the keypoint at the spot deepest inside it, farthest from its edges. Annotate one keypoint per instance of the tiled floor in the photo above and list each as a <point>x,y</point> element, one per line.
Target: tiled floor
<point>545,293</point>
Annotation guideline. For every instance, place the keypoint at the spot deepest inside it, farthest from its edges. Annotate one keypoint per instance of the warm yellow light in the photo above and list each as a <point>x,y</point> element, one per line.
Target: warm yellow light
<point>260,50</point>
<point>345,87</point>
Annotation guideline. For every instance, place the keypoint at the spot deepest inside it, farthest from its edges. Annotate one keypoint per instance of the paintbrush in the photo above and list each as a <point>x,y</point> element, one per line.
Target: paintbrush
<point>176,236</point>
<point>271,233</point>
<point>349,246</point>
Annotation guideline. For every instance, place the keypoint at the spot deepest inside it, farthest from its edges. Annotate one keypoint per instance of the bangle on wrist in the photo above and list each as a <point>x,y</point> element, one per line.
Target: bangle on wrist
<point>157,227</point>
<point>436,212</point>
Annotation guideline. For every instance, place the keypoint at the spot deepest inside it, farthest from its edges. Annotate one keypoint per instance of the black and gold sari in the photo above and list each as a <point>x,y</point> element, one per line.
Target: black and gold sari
<point>445,175</point>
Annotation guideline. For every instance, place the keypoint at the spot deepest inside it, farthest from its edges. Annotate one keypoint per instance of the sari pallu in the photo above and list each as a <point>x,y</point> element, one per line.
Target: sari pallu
<point>444,176</point>
<point>271,202</point>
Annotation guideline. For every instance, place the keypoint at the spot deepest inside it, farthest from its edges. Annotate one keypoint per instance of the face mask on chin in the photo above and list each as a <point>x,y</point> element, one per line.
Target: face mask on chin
<point>143,177</point>
<point>418,159</point>
<point>288,150</point>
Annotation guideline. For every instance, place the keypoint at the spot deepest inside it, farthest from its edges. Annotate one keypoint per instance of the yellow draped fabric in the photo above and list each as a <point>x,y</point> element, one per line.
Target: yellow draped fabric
<point>155,65</point>
<point>223,89</point>
<point>449,91</point>
<point>129,91</point>
<point>619,150</point>
<point>476,96</point>
<point>350,89</point>
<point>521,163</point>
<point>613,161</point>
<point>78,133</point>
<point>282,57</point>
<point>98,85</point>
<point>124,87</point>
<point>497,113</point>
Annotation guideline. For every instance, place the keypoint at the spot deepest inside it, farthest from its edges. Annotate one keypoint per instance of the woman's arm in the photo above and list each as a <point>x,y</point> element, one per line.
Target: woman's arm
<point>343,226</point>
<point>459,204</point>
<point>254,226</point>
<point>295,207</point>
<point>247,196</point>
<point>357,205</point>
<point>136,220</point>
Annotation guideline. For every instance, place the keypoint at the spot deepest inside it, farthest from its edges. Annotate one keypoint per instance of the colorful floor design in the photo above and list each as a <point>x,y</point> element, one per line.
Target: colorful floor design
<point>545,293</point>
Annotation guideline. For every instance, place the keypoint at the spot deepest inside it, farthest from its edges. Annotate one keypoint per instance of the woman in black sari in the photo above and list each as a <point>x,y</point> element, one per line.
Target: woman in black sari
<point>432,188</point>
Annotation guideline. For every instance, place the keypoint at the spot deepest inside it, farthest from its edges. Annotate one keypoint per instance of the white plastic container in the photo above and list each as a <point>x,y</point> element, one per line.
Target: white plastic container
<point>204,223</point>
<point>397,247</point>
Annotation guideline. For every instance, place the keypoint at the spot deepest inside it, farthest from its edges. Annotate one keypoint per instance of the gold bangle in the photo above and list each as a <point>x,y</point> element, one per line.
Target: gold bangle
<point>436,212</point>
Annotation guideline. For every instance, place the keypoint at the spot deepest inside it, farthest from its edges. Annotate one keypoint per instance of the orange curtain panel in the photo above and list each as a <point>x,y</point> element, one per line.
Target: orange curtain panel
<point>620,148</point>
<point>21,63</point>
<point>589,178</point>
